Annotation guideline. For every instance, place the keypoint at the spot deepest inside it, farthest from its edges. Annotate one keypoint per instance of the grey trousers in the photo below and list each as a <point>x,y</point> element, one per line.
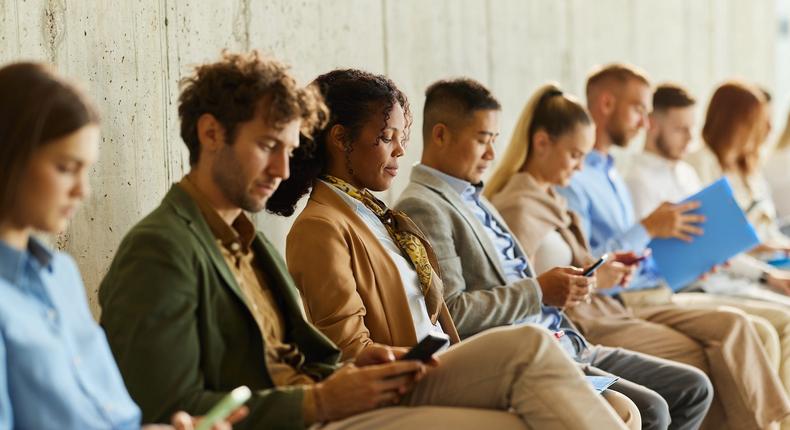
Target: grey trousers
<point>668,394</point>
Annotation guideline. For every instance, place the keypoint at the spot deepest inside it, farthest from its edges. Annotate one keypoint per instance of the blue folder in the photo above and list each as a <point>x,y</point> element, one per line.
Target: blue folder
<point>727,233</point>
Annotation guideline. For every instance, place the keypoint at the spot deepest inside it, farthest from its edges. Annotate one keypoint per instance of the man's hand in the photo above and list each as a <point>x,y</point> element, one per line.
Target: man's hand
<point>564,287</point>
<point>377,353</point>
<point>353,390</point>
<point>673,221</point>
<point>183,421</point>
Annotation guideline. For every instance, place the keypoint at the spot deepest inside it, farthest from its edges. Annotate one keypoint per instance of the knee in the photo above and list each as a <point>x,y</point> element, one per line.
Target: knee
<point>732,319</point>
<point>700,389</point>
<point>653,409</point>
<point>693,397</point>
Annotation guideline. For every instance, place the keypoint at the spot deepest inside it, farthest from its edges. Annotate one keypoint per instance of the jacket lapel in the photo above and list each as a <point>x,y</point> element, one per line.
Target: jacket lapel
<point>188,210</point>
<point>389,282</point>
<point>426,179</point>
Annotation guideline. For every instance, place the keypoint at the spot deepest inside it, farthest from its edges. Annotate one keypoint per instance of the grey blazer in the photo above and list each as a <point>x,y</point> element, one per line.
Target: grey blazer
<point>475,288</point>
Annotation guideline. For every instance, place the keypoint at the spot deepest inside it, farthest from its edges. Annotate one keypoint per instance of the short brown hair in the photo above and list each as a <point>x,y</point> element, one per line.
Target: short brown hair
<point>233,88</point>
<point>37,106</point>
<point>669,95</point>
<point>733,125</point>
<point>619,73</point>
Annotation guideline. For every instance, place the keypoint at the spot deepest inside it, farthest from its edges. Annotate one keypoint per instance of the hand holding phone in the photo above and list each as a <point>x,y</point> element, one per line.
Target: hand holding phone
<point>428,346</point>
<point>632,258</point>
<point>591,270</point>
<point>225,407</point>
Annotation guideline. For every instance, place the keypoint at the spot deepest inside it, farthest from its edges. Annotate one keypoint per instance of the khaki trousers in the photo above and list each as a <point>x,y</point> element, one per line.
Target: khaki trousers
<point>775,315</point>
<point>521,369</point>
<point>722,343</point>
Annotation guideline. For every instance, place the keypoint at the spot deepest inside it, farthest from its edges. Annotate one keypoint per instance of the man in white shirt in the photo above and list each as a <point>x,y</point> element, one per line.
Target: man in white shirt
<point>659,173</point>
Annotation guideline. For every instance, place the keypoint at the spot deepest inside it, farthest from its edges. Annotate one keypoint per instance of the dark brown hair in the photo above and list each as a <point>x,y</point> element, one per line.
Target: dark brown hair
<point>36,107</point>
<point>733,127</point>
<point>354,97</point>
<point>234,88</point>
<point>668,96</point>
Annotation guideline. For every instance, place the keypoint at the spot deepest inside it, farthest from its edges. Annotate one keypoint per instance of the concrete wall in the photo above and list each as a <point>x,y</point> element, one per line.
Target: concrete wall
<point>131,54</point>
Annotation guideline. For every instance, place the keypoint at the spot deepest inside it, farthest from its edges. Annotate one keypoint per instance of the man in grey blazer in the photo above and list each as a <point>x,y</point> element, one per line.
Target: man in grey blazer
<point>487,277</point>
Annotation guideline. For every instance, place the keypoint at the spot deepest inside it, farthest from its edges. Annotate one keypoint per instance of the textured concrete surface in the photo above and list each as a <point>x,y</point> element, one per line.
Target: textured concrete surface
<point>130,56</point>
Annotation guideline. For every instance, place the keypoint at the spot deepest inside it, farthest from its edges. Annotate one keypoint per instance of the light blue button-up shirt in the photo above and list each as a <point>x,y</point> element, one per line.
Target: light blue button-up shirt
<point>56,368</point>
<point>512,260</point>
<point>601,198</point>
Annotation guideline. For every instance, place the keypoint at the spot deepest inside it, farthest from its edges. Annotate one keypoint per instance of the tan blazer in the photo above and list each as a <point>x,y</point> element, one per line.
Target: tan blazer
<point>351,288</point>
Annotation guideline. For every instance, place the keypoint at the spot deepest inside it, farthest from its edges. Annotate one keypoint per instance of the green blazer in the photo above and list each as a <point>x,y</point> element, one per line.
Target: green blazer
<point>177,322</point>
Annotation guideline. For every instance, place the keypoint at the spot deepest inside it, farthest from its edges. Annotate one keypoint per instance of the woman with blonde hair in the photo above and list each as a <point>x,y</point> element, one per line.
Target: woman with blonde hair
<point>551,139</point>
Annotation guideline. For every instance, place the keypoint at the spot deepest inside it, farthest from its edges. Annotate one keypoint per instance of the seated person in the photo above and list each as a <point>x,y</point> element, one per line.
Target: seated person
<point>659,174</point>
<point>200,302</point>
<point>56,369</point>
<point>522,189</point>
<point>488,278</point>
<point>618,99</point>
<point>367,274</point>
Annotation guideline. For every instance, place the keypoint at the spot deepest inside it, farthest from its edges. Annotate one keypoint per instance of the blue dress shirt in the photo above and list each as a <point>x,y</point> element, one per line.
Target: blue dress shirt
<point>56,368</point>
<point>601,198</point>
<point>510,256</point>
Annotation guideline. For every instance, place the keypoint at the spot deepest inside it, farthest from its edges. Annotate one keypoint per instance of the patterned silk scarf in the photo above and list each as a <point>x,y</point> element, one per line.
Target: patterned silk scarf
<point>409,239</point>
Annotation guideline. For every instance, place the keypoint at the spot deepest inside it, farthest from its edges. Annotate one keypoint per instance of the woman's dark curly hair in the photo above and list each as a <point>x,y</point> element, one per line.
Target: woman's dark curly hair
<point>353,98</point>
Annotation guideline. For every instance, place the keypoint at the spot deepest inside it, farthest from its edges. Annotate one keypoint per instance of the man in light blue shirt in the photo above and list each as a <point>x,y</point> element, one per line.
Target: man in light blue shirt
<point>598,193</point>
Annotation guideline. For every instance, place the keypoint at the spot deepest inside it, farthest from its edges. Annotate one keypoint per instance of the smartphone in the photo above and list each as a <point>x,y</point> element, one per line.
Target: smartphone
<point>428,346</point>
<point>590,270</point>
<point>224,407</point>
<point>632,261</point>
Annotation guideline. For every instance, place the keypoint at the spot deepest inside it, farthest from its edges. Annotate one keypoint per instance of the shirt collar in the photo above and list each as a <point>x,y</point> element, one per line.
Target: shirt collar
<point>657,161</point>
<point>237,237</point>
<point>12,260</point>
<point>460,186</point>
<point>598,160</point>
